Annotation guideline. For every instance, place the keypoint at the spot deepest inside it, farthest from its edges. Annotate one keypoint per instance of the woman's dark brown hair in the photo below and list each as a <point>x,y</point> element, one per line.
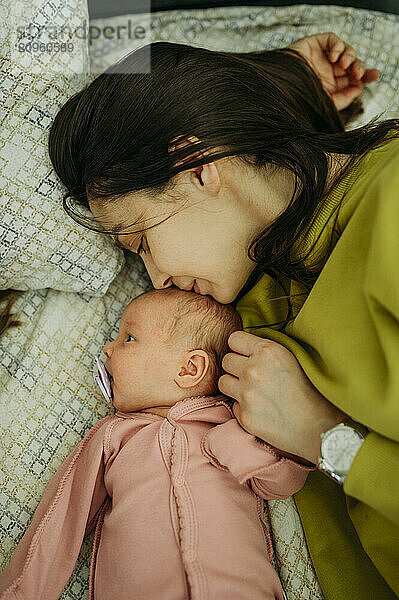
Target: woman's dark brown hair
<point>7,318</point>
<point>266,108</point>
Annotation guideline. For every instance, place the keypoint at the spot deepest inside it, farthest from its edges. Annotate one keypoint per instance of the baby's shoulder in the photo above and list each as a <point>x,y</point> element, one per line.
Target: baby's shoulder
<point>120,429</point>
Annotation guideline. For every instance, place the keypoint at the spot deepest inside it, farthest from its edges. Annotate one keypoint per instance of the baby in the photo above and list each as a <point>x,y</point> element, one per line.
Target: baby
<point>171,482</point>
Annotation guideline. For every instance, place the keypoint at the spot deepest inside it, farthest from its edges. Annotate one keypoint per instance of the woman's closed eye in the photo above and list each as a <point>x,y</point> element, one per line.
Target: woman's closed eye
<point>141,247</point>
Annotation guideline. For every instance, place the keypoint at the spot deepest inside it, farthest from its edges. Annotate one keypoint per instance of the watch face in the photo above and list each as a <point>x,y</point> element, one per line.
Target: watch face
<point>340,447</point>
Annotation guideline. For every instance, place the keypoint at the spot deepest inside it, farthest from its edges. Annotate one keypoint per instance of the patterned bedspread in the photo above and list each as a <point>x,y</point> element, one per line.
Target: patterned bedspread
<point>48,397</point>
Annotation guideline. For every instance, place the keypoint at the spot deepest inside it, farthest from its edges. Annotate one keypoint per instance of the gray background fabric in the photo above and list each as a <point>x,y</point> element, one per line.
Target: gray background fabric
<point>110,8</point>
<point>48,400</point>
<point>40,246</point>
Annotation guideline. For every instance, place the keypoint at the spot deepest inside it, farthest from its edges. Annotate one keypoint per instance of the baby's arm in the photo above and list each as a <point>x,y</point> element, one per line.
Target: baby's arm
<point>230,448</point>
<point>45,557</point>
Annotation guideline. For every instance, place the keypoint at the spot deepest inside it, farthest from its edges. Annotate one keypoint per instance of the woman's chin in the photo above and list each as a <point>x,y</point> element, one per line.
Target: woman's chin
<point>226,298</point>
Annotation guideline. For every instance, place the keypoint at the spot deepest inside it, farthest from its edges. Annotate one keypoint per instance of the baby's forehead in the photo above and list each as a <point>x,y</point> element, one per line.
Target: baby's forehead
<point>161,307</point>
<point>154,301</point>
<point>156,305</point>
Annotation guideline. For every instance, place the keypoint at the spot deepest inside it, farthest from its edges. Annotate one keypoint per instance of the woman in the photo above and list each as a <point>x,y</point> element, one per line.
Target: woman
<point>232,174</point>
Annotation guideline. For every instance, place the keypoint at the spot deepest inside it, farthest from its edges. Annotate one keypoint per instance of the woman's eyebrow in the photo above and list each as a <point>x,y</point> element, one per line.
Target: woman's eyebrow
<point>117,242</point>
<point>115,237</point>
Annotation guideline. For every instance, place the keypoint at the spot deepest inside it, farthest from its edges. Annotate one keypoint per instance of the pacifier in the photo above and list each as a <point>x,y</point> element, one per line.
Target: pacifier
<point>102,380</point>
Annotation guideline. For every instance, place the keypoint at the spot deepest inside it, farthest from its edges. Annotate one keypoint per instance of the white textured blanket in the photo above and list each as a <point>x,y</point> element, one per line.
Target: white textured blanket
<point>48,398</point>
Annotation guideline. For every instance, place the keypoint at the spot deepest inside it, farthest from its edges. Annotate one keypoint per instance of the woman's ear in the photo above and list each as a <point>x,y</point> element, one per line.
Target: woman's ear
<point>192,369</point>
<point>207,173</point>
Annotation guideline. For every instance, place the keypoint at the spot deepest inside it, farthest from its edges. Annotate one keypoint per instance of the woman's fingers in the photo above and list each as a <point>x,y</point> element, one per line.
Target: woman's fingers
<point>237,412</point>
<point>345,97</point>
<point>331,42</point>
<point>341,83</point>
<point>359,73</point>
<point>357,69</point>
<point>345,63</point>
<point>347,58</point>
<point>370,75</point>
<point>245,343</point>
<point>338,51</point>
<point>348,87</point>
<point>349,82</point>
<point>342,75</point>
<point>229,386</point>
<point>338,71</point>
<point>344,56</point>
<point>234,363</point>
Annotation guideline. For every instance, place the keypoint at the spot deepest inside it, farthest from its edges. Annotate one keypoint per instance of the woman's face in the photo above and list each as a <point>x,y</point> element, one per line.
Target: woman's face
<point>203,241</point>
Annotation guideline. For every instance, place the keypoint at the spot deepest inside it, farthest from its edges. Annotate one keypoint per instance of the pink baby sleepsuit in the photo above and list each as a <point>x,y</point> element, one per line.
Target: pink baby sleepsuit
<point>176,502</point>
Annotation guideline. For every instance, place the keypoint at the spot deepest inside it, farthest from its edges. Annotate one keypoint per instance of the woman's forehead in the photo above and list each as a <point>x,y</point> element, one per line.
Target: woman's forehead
<point>118,213</point>
<point>129,214</point>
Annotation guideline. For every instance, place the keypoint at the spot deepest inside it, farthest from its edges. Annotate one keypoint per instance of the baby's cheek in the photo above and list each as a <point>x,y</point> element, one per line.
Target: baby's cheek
<point>156,370</point>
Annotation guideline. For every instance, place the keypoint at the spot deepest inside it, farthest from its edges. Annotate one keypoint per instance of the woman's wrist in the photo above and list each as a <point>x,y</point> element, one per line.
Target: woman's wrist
<point>330,419</point>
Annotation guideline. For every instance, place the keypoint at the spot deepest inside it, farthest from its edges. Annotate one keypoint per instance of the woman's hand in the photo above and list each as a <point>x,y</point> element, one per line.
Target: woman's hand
<point>335,63</point>
<point>274,399</point>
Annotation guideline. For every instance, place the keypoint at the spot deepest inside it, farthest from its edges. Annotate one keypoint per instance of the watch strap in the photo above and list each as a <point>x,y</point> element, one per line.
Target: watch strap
<point>357,426</point>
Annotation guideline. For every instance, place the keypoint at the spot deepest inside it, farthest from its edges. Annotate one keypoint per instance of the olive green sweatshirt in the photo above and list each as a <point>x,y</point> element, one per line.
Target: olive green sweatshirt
<point>345,336</point>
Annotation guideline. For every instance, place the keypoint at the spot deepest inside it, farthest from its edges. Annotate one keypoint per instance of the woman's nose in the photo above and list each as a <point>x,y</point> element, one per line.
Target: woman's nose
<point>163,283</point>
<point>159,280</point>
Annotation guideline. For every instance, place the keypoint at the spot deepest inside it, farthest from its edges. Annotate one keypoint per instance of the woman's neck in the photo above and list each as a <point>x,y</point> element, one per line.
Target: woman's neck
<point>279,187</point>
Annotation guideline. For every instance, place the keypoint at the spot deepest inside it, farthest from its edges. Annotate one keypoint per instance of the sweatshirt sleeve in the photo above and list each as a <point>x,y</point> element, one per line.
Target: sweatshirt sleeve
<point>370,481</point>
<point>230,448</point>
<point>46,555</point>
<point>373,477</point>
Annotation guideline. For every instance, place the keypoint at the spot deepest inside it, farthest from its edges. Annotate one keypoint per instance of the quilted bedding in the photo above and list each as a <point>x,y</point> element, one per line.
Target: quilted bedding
<point>48,398</point>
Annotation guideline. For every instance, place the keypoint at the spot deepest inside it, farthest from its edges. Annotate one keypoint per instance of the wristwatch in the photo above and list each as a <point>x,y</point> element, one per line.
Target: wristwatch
<point>338,448</point>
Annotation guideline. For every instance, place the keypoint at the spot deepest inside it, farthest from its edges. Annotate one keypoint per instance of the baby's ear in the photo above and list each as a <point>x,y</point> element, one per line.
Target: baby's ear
<point>192,369</point>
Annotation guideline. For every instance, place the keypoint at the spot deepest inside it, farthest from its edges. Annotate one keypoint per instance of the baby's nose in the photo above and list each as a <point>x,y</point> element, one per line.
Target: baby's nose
<point>107,350</point>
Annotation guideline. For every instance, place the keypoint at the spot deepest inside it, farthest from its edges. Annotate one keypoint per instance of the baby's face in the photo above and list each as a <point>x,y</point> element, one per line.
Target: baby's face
<point>141,360</point>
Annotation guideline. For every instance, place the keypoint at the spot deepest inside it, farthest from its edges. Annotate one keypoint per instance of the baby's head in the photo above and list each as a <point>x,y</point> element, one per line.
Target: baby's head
<point>170,346</point>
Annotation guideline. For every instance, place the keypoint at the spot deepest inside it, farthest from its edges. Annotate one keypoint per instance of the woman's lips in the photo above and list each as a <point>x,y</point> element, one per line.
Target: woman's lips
<point>196,288</point>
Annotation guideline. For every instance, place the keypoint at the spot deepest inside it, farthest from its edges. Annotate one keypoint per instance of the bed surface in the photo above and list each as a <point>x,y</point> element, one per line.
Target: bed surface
<point>48,399</point>
<point>108,8</point>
